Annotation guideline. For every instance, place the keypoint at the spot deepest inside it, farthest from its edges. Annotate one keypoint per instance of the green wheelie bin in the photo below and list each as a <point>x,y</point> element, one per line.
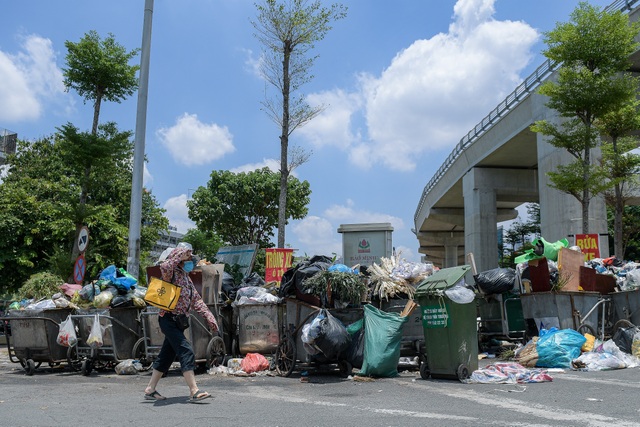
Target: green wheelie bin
<point>450,328</point>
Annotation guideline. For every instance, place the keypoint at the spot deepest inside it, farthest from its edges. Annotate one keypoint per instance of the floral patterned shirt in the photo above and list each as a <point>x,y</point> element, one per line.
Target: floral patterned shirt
<point>189,296</point>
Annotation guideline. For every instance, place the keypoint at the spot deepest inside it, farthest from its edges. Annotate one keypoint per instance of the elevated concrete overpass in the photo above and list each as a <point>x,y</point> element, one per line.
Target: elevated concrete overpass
<point>496,167</point>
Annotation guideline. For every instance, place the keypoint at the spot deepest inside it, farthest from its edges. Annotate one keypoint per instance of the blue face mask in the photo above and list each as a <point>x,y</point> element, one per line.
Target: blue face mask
<point>188,266</point>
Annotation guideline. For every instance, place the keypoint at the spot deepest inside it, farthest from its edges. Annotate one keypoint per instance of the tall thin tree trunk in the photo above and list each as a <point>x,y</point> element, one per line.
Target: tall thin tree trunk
<point>284,145</point>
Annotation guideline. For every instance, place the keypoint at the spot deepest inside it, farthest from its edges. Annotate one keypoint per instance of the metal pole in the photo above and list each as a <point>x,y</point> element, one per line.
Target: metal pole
<point>135,216</point>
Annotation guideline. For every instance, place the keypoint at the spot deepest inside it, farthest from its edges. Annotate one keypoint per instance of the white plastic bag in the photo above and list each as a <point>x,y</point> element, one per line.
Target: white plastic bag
<point>95,337</point>
<point>67,333</point>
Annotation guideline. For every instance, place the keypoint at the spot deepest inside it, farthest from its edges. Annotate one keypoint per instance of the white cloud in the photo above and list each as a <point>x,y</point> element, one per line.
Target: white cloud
<point>177,213</point>
<point>29,78</point>
<point>317,234</point>
<point>192,142</point>
<point>272,164</point>
<point>147,178</point>
<point>333,126</point>
<point>348,214</point>
<point>431,93</point>
<point>321,233</point>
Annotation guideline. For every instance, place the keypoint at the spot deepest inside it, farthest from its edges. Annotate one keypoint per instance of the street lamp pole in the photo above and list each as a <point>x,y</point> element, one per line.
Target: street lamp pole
<point>135,216</point>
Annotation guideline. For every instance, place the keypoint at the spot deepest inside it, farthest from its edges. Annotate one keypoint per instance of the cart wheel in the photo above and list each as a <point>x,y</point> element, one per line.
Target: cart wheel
<point>345,368</point>
<point>285,357</point>
<point>86,367</point>
<point>622,323</point>
<point>72,358</point>
<point>462,372</point>
<point>587,329</point>
<point>30,367</point>
<point>139,353</point>
<point>215,352</point>
<point>425,373</point>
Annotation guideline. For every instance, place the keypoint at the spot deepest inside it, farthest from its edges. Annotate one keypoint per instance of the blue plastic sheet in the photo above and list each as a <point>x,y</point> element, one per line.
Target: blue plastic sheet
<point>558,347</point>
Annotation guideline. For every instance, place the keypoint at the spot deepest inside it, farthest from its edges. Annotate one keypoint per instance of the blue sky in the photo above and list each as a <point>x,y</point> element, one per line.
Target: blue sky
<point>402,82</point>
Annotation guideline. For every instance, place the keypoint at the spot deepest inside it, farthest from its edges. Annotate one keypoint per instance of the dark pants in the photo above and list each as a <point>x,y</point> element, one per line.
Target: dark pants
<point>175,344</point>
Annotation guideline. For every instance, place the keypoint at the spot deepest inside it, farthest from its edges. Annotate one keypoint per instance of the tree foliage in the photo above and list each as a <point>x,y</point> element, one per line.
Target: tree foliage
<point>98,69</point>
<point>242,208</point>
<point>620,164</point>
<point>39,202</point>
<point>592,50</point>
<point>288,31</point>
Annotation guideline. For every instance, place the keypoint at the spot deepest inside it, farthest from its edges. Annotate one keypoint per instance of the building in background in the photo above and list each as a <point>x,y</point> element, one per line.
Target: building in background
<point>8,141</point>
<point>166,240</point>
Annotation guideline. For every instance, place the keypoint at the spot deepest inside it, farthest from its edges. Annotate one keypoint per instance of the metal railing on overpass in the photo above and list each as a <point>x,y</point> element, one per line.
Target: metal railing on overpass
<point>512,100</point>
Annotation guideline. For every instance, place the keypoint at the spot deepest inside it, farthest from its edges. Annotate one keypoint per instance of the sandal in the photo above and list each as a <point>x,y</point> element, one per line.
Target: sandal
<point>199,396</point>
<point>154,396</point>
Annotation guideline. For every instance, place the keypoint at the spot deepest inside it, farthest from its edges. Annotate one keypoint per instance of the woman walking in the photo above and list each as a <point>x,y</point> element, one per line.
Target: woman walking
<point>175,269</point>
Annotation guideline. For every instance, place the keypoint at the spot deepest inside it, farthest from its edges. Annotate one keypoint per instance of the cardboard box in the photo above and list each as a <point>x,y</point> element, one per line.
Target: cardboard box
<point>211,282</point>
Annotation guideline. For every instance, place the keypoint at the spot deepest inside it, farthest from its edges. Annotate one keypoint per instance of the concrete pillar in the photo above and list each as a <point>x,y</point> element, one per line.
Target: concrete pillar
<point>480,223</point>
<point>450,254</point>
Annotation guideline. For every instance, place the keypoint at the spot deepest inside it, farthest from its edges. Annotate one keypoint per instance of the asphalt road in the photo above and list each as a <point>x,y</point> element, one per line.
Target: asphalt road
<point>62,397</point>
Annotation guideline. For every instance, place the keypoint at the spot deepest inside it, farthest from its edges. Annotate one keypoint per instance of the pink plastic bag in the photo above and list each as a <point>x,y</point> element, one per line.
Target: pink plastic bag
<point>254,362</point>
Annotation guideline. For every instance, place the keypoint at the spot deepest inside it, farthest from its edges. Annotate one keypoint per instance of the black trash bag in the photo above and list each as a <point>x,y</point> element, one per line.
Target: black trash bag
<point>496,281</point>
<point>354,354</point>
<point>333,339</point>
<point>623,338</point>
<point>252,279</point>
<point>294,277</point>
<point>229,287</point>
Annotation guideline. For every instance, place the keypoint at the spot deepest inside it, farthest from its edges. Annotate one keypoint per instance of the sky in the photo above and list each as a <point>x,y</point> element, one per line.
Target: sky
<point>401,82</point>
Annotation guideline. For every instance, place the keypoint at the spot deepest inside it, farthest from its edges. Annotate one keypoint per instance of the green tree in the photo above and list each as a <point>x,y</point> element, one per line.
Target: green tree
<point>592,49</point>
<point>630,232</point>
<point>288,30</point>
<point>205,243</point>
<point>38,199</point>
<point>619,163</point>
<point>242,208</point>
<point>98,69</point>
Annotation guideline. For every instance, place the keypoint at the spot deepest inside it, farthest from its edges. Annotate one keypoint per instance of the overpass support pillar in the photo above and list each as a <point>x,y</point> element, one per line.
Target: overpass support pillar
<point>450,254</point>
<point>481,216</point>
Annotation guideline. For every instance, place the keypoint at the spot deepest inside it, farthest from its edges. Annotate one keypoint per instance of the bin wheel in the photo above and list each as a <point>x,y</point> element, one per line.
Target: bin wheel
<point>622,323</point>
<point>586,329</point>
<point>462,372</point>
<point>345,368</point>
<point>285,357</point>
<point>139,353</point>
<point>72,358</point>
<point>87,366</point>
<point>215,352</point>
<point>425,373</point>
<point>30,367</point>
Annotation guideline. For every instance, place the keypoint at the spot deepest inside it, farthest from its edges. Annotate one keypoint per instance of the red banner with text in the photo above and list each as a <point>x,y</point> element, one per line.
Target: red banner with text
<point>589,244</point>
<point>278,261</point>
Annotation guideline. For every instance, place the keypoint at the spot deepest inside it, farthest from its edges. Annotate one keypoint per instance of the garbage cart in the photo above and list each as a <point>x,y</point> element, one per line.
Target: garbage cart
<point>208,347</point>
<point>412,343</point>
<point>451,337</point>
<point>257,328</point>
<point>120,331</point>
<point>33,335</point>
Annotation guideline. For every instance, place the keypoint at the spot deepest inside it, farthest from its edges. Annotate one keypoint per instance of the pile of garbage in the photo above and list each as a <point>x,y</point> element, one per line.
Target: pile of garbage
<point>114,288</point>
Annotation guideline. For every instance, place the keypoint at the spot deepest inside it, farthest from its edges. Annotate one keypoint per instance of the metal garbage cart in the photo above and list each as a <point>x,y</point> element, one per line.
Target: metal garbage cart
<point>33,335</point>
<point>500,316</point>
<point>451,337</point>
<point>579,310</point>
<point>625,308</point>
<point>292,351</point>
<point>208,347</point>
<point>120,331</point>
<point>257,328</point>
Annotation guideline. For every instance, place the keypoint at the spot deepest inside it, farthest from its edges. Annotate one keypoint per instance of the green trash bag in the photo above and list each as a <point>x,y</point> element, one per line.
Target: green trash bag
<point>382,340</point>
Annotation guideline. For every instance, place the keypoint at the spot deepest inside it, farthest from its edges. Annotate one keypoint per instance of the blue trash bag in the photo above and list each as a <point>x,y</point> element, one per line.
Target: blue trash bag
<point>558,348</point>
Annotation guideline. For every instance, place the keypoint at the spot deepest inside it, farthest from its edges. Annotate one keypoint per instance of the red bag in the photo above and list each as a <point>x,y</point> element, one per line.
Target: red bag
<point>254,362</point>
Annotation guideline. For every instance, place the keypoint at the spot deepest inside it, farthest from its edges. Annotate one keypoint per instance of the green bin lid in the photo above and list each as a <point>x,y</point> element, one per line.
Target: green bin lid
<point>441,280</point>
